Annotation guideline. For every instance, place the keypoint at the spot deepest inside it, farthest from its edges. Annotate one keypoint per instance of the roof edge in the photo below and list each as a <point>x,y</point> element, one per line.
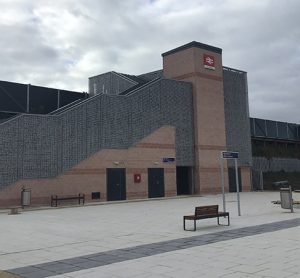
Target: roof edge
<point>193,44</point>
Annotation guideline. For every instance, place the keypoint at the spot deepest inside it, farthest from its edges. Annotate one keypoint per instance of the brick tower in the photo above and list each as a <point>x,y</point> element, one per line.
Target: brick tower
<point>201,65</point>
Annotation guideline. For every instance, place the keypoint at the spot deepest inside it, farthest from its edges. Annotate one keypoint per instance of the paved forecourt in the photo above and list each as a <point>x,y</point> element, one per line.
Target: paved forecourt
<point>146,239</point>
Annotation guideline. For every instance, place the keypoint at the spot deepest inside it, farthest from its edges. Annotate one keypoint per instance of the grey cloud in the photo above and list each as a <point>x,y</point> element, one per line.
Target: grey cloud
<point>79,39</point>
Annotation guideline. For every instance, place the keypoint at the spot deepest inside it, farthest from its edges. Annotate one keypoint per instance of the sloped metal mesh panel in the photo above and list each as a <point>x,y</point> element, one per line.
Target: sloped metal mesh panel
<point>42,146</point>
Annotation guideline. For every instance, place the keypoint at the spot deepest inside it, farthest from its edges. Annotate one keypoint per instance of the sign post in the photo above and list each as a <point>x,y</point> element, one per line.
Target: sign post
<point>223,186</point>
<point>237,186</point>
<point>235,156</point>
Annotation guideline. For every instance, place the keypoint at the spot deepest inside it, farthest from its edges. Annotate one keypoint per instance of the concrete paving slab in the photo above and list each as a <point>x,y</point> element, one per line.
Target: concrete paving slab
<point>149,238</point>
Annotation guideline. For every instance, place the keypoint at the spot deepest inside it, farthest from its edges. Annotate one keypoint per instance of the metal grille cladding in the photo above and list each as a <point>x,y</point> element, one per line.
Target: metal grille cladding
<point>237,115</point>
<point>43,146</point>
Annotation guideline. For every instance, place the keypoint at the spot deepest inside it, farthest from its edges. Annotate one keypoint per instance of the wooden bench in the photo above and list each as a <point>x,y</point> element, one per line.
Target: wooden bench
<point>204,212</point>
<point>55,199</point>
<point>13,210</point>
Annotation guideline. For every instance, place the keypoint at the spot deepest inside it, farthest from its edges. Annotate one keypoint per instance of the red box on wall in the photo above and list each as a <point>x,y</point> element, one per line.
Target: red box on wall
<point>137,178</point>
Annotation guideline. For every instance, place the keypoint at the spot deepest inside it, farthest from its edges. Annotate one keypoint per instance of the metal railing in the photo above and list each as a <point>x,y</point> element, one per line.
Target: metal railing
<point>59,110</point>
<point>274,129</point>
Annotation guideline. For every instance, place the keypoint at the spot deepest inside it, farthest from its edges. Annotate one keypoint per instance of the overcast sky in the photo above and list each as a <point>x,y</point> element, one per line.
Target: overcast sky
<point>61,43</point>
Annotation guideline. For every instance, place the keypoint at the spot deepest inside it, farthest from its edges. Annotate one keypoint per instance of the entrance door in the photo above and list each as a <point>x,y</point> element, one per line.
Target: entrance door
<point>116,184</point>
<point>231,179</point>
<point>156,184</point>
<point>183,180</point>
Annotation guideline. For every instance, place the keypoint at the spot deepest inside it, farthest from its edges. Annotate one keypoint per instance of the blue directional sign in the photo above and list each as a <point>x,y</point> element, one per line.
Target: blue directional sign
<point>228,155</point>
<point>168,159</point>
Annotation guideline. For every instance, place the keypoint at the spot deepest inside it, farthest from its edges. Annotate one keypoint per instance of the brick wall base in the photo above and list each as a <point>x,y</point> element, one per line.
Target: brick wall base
<point>90,175</point>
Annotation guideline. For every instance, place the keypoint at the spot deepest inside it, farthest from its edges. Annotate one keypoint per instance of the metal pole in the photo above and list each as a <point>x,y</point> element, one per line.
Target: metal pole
<point>28,99</point>
<point>291,199</point>
<point>237,186</point>
<point>222,178</point>
<point>58,99</point>
<point>261,180</point>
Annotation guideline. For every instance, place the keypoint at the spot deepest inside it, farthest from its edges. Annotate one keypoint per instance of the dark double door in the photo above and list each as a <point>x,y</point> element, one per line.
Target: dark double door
<point>156,183</point>
<point>116,184</point>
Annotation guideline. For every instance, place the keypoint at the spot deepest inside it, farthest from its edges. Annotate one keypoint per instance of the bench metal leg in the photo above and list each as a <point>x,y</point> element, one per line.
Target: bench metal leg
<point>53,201</point>
<point>185,227</point>
<point>228,221</point>
<point>13,211</point>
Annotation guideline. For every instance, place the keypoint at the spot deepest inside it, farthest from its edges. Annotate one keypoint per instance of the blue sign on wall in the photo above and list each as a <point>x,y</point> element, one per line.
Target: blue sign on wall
<point>228,155</point>
<point>168,159</point>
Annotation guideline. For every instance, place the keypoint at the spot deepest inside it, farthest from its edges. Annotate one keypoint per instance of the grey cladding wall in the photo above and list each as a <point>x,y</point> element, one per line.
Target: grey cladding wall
<point>35,146</point>
<point>9,152</point>
<point>109,83</point>
<point>237,115</point>
<point>152,75</point>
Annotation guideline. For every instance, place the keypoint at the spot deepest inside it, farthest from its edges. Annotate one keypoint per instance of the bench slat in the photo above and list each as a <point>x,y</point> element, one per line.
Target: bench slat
<point>204,210</point>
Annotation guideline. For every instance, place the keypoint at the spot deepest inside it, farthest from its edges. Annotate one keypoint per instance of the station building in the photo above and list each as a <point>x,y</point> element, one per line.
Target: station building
<point>157,134</point>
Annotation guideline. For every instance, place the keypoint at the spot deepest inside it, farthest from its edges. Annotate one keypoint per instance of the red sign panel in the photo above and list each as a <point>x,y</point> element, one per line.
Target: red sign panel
<point>209,61</point>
